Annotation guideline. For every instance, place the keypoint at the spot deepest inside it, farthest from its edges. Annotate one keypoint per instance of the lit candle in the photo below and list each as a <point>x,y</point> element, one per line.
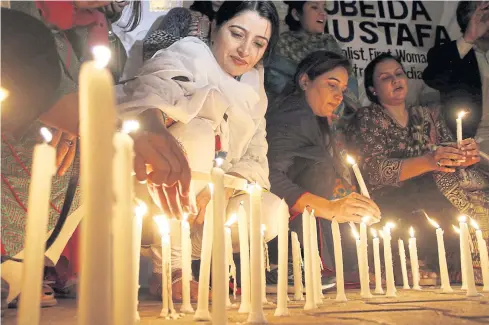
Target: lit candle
<point>308,264</point>
<point>459,126</point>
<point>43,169</point>
<point>202,312</point>
<point>97,127</point>
<point>360,263</point>
<point>445,281</point>
<point>256,314</point>
<point>358,176</point>
<point>338,257</point>
<point>483,255</point>
<point>402,256</point>
<point>389,270</point>
<point>265,265</point>
<point>462,262</point>
<point>167,310</point>
<point>316,261</point>
<point>467,266</point>
<point>297,263</point>
<point>186,306</point>
<point>244,254</point>
<point>139,212</point>
<point>365,287</point>
<point>4,93</point>
<point>283,259</point>
<point>125,293</point>
<point>378,274</point>
<point>220,285</point>
<point>229,255</point>
<point>413,254</point>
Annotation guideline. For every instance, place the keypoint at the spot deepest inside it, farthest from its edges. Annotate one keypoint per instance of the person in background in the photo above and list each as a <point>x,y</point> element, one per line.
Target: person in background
<point>212,99</point>
<point>24,114</point>
<point>460,71</point>
<point>307,162</point>
<point>182,22</point>
<point>306,21</point>
<point>412,164</point>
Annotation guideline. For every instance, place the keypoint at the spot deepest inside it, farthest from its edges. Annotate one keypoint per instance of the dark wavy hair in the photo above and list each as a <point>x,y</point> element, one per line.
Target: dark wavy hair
<point>289,19</point>
<point>464,12</point>
<point>369,73</point>
<point>205,8</point>
<point>265,9</point>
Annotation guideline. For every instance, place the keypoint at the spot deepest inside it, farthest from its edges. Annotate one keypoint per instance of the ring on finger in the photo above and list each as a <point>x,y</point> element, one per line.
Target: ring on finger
<point>69,143</point>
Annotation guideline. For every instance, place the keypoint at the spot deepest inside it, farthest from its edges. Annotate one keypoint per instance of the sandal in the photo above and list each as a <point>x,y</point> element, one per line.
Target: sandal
<point>47,297</point>
<point>155,287</point>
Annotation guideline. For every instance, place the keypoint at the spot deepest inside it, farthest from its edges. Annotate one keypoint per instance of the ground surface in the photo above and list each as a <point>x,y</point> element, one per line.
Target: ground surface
<point>410,308</point>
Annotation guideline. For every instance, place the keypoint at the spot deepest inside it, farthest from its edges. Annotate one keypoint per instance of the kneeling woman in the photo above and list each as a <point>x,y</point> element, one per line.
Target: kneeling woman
<point>213,101</point>
<point>412,163</point>
<point>307,165</point>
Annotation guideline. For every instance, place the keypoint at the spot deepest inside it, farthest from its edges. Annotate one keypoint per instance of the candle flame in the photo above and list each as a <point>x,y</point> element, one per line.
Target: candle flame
<point>130,126</point>
<point>141,209</point>
<point>232,219</point>
<point>46,134</point>
<point>474,224</point>
<point>411,232</point>
<point>102,55</point>
<point>390,225</point>
<point>365,219</point>
<point>456,229</point>
<point>355,233</point>
<point>219,161</point>
<point>350,160</point>
<point>3,94</point>
<point>433,223</point>
<point>374,232</point>
<point>462,219</point>
<point>461,114</point>
<point>163,224</point>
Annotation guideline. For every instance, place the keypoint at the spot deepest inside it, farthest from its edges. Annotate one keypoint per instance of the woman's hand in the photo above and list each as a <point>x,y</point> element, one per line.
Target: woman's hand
<point>471,150</point>
<point>350,208</point>
<point>65,144</point>
<point>446,158</point>
<point>478,24</point>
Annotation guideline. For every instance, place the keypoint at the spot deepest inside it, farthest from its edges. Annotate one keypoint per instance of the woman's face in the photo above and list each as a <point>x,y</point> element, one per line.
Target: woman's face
<point>239,44</point>
<point>390,83</point>
<point>313,17</point>
<point>325,93</point>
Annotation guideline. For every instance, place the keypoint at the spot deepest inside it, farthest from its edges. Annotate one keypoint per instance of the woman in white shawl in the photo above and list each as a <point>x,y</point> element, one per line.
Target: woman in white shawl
<point>212,100</point>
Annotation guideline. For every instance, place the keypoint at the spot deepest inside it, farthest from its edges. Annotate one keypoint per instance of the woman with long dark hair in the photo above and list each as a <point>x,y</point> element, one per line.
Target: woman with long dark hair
<point>307,162</point>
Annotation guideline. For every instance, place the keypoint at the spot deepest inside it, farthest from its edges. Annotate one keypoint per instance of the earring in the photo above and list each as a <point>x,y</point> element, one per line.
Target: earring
<point>375,94</point>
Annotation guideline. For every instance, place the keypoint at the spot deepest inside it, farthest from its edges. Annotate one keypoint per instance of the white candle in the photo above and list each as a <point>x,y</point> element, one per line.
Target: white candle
<point>462,259</point>
<point>468,267</point>
<point>265,266</point>
<point>220,285</point>
<point>186,306</point>
<point>167,310</point>
<point>97,127</point>
<point>244,253</point>
<point>365,279</point>
<point>442,259</point>
<point>459,126</point>
<point>358,245</point>
<point>202,312</point>
<point>338,257</point>
<point>283,260</point>
<point>483,255</point>
<point>308,264</point>
<point>139,212</point>
<point>389,271</point>
<point>378,275</point>
<point>297,263</point>
<point>256,315</point>
<point>316,260</point>
<point>402,257</point>
<point>230,267</point>
<point>413,254</point>
<point>358,176</point>
<point>43,169</point>
<point>125,293</point>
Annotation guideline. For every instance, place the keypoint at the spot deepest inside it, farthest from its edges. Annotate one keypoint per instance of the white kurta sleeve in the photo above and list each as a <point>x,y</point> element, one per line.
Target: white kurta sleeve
<point>254,163</point>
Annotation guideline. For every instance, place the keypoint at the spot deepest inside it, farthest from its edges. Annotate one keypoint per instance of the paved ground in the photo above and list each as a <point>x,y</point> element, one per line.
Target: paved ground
<point>410,308</point>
